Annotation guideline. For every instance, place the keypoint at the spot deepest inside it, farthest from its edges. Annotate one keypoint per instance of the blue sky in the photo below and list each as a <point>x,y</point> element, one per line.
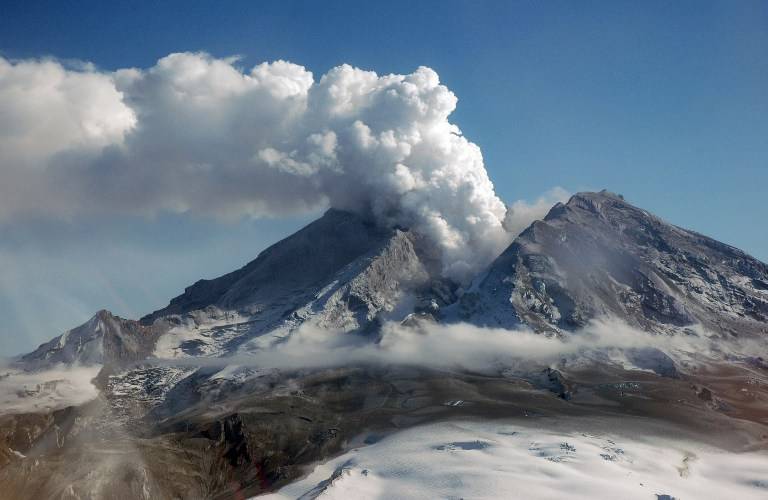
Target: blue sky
<point>664,102</point>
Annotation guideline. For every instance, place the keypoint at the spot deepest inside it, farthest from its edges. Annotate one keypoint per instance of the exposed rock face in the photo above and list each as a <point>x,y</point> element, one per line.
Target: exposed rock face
<point>289,270</point>
<point>105,338</point>
<point>369,286</point>
<point>341,271</point>
<point>598,255</point>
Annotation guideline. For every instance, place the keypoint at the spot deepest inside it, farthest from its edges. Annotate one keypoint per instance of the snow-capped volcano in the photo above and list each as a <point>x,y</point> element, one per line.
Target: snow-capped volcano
<point>186,389</point>
<point>342,271</point>
<point>595,256</point>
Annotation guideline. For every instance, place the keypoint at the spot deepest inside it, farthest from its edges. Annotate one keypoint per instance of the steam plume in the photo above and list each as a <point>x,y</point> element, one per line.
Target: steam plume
<point>198,134</point>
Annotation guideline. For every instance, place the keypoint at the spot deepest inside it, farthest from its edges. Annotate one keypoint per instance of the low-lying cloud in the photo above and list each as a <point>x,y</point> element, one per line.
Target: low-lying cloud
<point>464,346</point>
<point>457,347</point>
<point>52,389</point>
<point>198,134</point>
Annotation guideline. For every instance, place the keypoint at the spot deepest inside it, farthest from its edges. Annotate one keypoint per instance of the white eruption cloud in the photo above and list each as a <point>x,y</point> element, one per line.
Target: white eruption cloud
<point>198,134</point>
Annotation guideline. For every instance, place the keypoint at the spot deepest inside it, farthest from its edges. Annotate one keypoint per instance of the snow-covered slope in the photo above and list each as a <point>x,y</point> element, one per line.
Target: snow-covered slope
<point>354,298</point>
<point>339,273</point>
<point>598,255</point>
<point>287,272</point>
<point>500,460</point>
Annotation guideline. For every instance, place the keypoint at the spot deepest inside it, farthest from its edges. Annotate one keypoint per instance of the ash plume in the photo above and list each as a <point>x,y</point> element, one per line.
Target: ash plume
<point>201,135</point>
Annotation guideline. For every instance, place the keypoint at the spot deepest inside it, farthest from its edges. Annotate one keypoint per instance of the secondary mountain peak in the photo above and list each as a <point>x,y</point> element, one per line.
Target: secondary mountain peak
<point>598,255</point>
<point>105,338</point>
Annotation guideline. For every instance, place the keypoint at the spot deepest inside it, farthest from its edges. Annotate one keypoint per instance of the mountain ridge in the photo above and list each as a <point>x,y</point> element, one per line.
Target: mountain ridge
<point>341,271</point>
<point>596,255</point>
<point>599,255</point>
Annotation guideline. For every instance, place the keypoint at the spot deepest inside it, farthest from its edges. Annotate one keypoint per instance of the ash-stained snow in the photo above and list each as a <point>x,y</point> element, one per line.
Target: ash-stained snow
<point>500,460</point>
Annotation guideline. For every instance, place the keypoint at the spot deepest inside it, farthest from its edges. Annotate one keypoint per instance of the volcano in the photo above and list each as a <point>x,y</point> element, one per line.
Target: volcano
<point>180,414</point>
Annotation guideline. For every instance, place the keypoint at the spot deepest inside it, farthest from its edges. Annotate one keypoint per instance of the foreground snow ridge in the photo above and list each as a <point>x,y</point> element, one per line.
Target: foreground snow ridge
<point>496,460</point>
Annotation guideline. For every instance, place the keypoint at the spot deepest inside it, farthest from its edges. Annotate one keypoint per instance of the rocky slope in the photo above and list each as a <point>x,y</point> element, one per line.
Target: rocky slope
<point>286,273</point>
<point>598,255</point>
<point>341,272</point>
<point>104,338</point>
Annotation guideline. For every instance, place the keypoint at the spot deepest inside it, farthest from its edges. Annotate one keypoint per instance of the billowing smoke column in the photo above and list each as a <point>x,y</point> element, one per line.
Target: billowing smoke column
<point>198,134</point>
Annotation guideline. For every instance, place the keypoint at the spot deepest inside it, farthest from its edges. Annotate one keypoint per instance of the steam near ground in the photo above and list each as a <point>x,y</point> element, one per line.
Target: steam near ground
<point>455,347</point>
<point>499,460</point>
<point>199,134</point>
<point>511,459</point>
<point>467,347</point>
<point>23,391</point>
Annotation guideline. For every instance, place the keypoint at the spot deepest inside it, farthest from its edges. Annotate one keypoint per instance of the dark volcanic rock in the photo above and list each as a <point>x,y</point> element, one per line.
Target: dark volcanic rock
<point>555,382</point>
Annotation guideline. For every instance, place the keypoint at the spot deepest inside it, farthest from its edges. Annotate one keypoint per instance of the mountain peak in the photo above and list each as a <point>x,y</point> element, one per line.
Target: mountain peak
<point>598,255</point>
<point>595,196</point>
<point>310,255</point>
<point>342,271</point>
<point>590,201</point>
<point>105,338</point>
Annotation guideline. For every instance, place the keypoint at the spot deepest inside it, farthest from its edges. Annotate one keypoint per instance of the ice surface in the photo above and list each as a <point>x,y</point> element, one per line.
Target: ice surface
<point>499,460</point>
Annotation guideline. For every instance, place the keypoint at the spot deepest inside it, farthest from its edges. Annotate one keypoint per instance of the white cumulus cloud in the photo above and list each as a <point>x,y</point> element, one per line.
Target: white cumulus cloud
<point>199,134</point>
